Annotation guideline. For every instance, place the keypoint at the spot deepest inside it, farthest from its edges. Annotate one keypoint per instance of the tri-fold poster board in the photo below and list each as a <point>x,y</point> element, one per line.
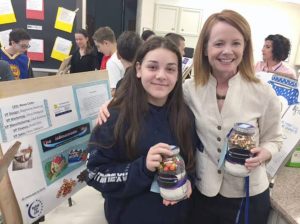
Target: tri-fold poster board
<point>49,120</point>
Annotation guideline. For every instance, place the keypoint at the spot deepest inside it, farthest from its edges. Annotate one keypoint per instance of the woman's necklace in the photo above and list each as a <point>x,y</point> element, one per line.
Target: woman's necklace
<point>220,97</point>
<point>222,87</point>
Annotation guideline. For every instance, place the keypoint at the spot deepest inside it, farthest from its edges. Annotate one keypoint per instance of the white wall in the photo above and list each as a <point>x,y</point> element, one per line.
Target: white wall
<point>264,16</point>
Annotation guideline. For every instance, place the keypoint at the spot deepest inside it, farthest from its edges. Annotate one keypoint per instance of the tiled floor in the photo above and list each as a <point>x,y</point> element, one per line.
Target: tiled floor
<point>87,208</point>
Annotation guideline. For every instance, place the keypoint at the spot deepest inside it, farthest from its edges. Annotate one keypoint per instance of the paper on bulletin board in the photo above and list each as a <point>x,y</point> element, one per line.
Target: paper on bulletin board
<point>64,19</point>
<point>7,14</point>
<point>61,48</point>
<point>35,9</point>
<point>4,38</point>
<point>36,50</point>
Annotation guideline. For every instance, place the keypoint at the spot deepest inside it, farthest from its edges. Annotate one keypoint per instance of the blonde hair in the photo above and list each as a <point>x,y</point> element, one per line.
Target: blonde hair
<point>202,67</point>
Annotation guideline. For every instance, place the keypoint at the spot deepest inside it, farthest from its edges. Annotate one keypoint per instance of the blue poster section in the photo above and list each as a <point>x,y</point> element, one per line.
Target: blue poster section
<point>63,149</point>
<point>288,92</point>
<point>285,87</point>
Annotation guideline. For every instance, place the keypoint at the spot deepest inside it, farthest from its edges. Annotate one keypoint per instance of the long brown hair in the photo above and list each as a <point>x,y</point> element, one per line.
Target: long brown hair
<point>132,103</point>
<point>89,48</point>
<point>202,67</point>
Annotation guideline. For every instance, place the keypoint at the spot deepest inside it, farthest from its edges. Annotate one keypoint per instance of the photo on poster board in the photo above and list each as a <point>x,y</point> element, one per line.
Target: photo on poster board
<point>8,157</point>
<point>63,149</point>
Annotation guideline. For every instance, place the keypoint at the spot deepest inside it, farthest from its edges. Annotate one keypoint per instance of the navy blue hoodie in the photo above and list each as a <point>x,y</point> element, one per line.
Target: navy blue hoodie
<point>124,183</point>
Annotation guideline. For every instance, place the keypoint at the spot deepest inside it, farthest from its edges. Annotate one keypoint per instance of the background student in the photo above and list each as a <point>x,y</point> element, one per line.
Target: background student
<point>127,45</point>
<point>105,41</point>
<point>85,56</point>
<point>276,49</point>
<point>147,34</point>
<point>144,122</point>
<point>178,40</point>
<point>15,54</point>
<point>5,72</point>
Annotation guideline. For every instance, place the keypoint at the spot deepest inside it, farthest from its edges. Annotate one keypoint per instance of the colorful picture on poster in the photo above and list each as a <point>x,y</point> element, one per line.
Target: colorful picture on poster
<point>55,167</point>
<point>287,90</point>
<point>66,188</point>
<point>63,149</point>
<point>65,137</point>
<point>23,159</point>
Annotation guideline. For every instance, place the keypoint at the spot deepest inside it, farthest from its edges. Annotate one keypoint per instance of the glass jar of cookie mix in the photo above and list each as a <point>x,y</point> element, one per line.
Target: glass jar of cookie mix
<point>172,179</point>
<point>240,142</point>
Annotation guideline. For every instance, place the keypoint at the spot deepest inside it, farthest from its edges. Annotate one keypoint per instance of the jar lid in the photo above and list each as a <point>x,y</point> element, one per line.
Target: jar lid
<point>175,149</point>
<point>244,128</point>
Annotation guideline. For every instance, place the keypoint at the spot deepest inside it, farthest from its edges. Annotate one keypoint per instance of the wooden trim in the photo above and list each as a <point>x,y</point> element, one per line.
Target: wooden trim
<point>19,87</point>
<point>8,202</point>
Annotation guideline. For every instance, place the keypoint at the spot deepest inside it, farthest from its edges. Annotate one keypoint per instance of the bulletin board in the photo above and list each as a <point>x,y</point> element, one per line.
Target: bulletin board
<point>52,133</point>
<point>48,32</point>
